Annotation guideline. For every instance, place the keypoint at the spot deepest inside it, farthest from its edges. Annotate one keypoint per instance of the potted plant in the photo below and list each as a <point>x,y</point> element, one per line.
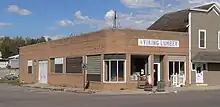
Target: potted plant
<point>148,86</point>
<point>160,86</point>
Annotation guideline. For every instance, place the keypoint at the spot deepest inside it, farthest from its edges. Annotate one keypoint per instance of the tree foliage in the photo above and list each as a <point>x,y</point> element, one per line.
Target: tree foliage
<point>10,46</point>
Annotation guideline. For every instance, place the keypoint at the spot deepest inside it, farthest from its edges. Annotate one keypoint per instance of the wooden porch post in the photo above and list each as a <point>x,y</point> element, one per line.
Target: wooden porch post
<point>128,67</point>
<point>152,68</point>
<point>165,70</point>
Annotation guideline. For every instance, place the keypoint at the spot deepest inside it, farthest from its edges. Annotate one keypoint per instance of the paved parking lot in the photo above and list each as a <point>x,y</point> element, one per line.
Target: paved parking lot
<point>13,96</point>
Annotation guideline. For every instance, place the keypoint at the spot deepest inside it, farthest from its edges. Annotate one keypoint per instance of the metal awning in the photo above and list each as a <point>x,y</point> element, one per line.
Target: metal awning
<point>212,57</point>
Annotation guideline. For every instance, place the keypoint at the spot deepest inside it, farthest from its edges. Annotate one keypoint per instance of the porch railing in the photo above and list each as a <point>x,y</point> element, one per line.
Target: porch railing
<point>177,80</point>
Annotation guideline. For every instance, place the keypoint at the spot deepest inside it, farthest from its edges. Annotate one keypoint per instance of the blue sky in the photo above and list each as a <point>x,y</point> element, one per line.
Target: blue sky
<point>58,18</point>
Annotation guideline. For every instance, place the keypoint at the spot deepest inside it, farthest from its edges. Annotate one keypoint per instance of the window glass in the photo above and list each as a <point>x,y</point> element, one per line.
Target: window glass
<point>114,70</point>
<point>170,69</point>
<point>204,67</point>
<point>30,66</point>
<point>56,65</point>
<point>193,66</point>
<point>182,68</point>
<point>202,39</point>
<point>176,68</point>
<point>29,69</point>
<point>120,70</point>
<point>73,65</point>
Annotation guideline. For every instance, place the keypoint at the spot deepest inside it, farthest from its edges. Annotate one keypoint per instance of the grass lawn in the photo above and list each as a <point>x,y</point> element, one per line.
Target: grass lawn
<point>12,82</point>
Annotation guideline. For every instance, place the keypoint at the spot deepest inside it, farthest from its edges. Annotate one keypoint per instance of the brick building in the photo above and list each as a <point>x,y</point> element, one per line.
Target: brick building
<point>114,59</point>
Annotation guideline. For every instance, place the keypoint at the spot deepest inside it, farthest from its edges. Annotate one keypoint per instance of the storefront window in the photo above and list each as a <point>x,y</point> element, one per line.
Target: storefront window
<point>170,69</point>
<point>121,71</point>
<point>182,68</point>
<point>176,68</point>
<point>114,70</point>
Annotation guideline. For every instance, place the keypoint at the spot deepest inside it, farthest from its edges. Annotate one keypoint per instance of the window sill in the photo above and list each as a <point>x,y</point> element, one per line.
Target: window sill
<point>122,82</point>
<point>68,74</point>
<point>202,47</point>
<point>95,82</point>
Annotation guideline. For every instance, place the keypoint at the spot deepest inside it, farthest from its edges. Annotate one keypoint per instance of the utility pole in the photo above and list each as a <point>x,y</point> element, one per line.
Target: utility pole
<point>115,20</point>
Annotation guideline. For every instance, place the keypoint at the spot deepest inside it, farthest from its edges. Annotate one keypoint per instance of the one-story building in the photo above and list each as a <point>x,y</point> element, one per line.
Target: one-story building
<point>113,59</point>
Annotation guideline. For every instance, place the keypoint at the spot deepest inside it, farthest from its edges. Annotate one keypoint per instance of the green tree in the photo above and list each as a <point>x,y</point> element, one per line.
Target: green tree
<point>10,46</point>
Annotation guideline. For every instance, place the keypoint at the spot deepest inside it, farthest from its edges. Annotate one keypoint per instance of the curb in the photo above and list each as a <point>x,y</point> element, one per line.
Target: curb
<point>63,90</point>
<point>79,91</point>
<point>131,93</point>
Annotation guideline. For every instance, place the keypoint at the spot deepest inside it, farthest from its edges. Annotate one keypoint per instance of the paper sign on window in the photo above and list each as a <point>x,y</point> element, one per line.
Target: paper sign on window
<point>30,63</point>
<point>58,60</point>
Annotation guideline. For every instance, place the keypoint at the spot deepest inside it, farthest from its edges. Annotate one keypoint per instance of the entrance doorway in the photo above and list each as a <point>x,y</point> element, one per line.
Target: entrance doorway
<point>43,71</point>
<point>156,73</point>
<point>139,67</point>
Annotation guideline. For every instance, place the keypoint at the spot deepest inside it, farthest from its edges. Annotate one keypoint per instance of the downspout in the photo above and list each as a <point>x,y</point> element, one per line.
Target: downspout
<point>190,47</point>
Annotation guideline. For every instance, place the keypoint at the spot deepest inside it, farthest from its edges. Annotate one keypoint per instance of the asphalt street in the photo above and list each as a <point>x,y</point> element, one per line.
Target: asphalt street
<point>14,96</point>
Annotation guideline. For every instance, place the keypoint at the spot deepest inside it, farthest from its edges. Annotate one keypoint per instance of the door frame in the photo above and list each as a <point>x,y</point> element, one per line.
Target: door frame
<point>46,72</point>
<point>158,72</point>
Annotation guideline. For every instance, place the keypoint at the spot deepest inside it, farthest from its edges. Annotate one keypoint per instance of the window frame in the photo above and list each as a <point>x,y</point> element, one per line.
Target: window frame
<point>218,39</point>
<point>30,66</point>
<point>206,65</point>
<point>194,66</point>
<point>53,70</point>
<point>74,58</point>
<point>202,30</point>
<point>104,71</point>
<point>179,68</point>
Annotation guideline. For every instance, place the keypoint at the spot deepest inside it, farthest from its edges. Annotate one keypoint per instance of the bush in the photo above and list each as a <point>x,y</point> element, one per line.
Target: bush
<point>12,82</point>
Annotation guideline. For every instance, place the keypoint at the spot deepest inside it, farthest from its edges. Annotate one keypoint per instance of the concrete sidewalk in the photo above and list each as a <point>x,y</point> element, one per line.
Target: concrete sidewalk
<point>193,88</point>
<point>57,88</point>
<point>122,92</point>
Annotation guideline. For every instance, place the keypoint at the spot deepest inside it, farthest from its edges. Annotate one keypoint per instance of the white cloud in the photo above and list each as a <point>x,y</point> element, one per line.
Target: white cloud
<point>135,20</point>
<point>5,24</point>
<point>79,16</point>
<point>193,3</point>
<point>82,19</point>
<point>140,3</point>
<point>124,20</point>
<point>141,18</point>
<point>65,23</point>
<point>55,37</point>
<point>110,15</point>
<point>17,10</point>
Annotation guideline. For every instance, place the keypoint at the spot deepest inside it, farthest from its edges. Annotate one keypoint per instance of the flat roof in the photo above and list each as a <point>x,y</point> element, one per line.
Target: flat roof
<point>107,31</point>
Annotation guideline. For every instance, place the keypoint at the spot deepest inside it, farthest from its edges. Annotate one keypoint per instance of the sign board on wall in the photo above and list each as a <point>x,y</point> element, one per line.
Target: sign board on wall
<point>58,60</point>
<point>30,63</point>
<point>158,43</point>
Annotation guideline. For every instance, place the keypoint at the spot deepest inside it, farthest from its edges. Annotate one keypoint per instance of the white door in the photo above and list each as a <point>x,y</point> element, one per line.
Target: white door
<point>43,71</point>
